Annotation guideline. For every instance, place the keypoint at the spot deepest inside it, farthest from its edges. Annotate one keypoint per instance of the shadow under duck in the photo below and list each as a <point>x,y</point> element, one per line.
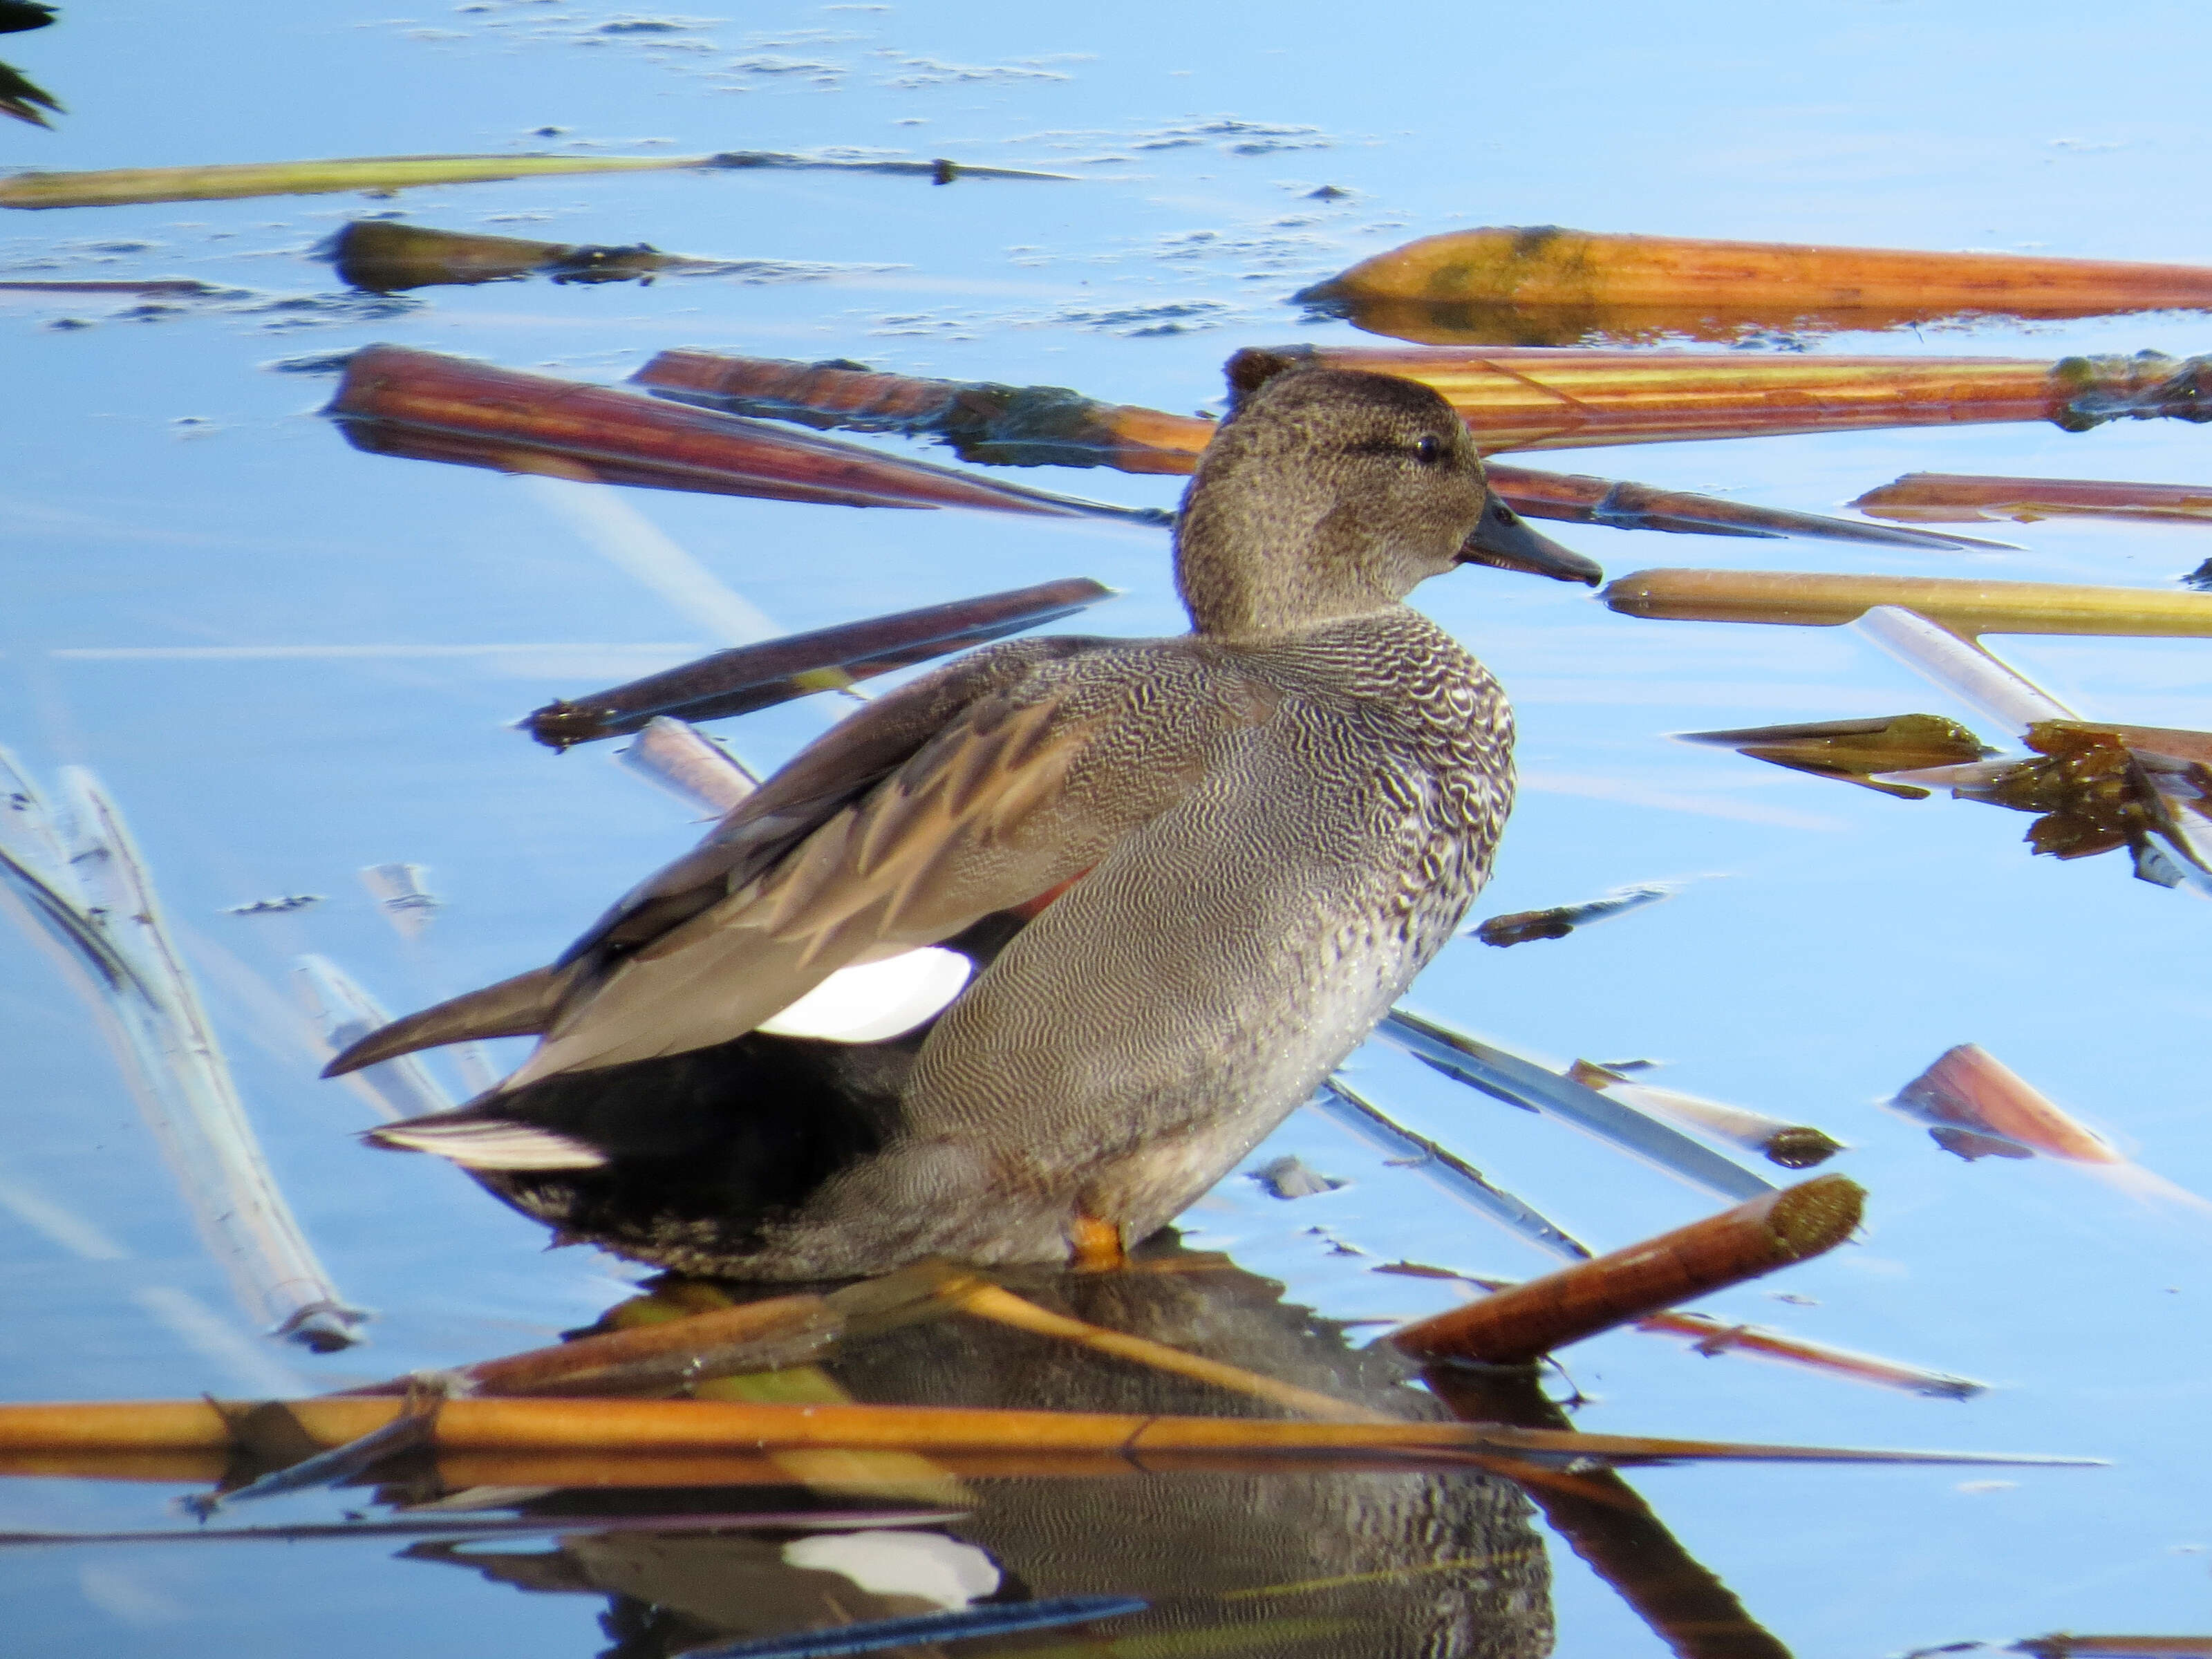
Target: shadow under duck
<point>1014,965</point>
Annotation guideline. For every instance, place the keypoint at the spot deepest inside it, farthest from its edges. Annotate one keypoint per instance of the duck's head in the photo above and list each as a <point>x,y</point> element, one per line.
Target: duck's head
<point>1328,493</point>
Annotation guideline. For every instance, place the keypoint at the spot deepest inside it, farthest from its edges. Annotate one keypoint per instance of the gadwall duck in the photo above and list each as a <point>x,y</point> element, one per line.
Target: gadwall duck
<point>1016,962</point>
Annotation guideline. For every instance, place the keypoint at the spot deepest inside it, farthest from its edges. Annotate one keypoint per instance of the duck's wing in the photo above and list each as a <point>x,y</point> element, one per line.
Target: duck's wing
<point>1024,789</point>
<point>823,778</point>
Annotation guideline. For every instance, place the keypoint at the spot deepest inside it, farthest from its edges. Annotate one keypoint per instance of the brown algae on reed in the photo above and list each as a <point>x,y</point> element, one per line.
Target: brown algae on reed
<point>1543,285</point>
<point>1856,750</point>
<point>382,256</point>
<point>1526,927</point>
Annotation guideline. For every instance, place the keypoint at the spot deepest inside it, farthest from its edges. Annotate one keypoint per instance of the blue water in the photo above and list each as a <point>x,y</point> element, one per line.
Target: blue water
<point>174,508</point>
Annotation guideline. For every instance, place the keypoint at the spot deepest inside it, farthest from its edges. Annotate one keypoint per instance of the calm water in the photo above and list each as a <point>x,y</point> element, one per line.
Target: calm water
<point>287,660</point>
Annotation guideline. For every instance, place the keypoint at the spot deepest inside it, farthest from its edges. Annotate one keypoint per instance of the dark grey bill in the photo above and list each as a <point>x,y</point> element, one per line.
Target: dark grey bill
<point>1504,541</point>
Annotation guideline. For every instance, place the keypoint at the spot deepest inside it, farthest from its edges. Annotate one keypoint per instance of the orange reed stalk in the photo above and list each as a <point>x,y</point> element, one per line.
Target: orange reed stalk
<point>1498,276</point>
<point>1540,398</point>
<point>1516,1326</point>
<point>1810,599</point>
<point>1962,498</point>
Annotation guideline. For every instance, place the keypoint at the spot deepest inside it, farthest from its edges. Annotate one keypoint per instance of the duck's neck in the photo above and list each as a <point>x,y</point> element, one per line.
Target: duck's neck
<point>1233,595</point>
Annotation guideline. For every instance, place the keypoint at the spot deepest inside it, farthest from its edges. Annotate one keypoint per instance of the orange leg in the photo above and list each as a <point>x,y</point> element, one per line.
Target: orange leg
<point>1097,1245</point>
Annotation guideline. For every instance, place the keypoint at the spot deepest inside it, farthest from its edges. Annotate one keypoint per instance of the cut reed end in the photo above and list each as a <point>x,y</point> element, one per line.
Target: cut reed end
<point>1814,1216</point>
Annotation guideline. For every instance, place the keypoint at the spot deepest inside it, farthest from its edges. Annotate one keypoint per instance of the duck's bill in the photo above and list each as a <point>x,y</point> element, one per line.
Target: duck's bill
<point>1504,541</point>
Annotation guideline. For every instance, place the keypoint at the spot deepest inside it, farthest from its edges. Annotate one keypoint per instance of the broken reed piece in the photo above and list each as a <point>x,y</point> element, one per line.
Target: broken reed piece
<point>750,676</point>
<point>1543,285</point>
<point>1579,498</point>
<point>2066,1646</point>
<point>1368,1123</point>
<point>1962,498</point>
<point>1520,1325</point>
<point>706,1428</point>
<point>425,406</point>
<point>993,424</point>
<point>382,256</point>
<point>1979,1107</point>
<point>983,421</point>
<point>1515,399</point>
<point>1965,608</point>
<point>1527,927</point>
<point>688,765</point>
<point>784,1330</point>
<point>119,187</point>
<point>1712,1337</point>
<point>460,1527</point>
<point>1856,750</point>
<point>1792,1146</point>
<point>1518,1082</point>
<point>972,1294</point>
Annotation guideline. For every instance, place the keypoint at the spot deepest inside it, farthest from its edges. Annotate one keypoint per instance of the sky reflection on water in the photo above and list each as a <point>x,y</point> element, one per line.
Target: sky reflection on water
<point>180,510</point>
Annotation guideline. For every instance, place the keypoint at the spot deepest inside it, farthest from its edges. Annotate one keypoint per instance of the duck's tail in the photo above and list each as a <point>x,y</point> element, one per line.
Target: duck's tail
<point>522,1006</point>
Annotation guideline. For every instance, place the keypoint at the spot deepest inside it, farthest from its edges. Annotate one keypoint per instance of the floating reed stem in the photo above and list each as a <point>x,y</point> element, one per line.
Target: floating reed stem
<point>979,1296</point>
<point>983,421</point>
<point>1000,425</point>
<point>750,676</point>
<point>1714,1336</point>
<point>1804,599</point>
<point>1579,498</point>
<point>784,1330</point>
<point>119,187</point>
<point>1543,285</point>
<point>383,256</point>
<point>1962,498</point>
<point>599,1427</point>
<point>689,765</point>
<point>427,407</point>
<point>1528,927</point>
<point>1519,1082</point>
<point>1523,1324</point>
<point>1969,1089</point>
<point>1372,1126</point>
<point>1793,1145</point>
<point>1535,399</point>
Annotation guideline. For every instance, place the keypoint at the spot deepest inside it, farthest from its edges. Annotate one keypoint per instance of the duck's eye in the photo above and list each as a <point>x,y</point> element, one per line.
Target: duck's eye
<point>1428,451</point>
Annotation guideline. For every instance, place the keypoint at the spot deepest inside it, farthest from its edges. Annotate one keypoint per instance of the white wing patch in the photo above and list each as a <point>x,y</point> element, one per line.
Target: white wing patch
<point>875,1001</point>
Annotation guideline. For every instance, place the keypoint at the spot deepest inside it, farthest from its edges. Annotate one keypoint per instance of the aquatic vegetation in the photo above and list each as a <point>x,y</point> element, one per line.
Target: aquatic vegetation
<point>751,677</point>
<point>1514,1326</point>
<point>1541,285</point>
<point>1959,498</point>
<point>1517,398</point>
<point>230,181</point>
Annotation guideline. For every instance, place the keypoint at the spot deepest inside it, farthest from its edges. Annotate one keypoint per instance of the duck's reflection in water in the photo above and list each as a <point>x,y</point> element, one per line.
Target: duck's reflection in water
<point>1304,1562</point>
